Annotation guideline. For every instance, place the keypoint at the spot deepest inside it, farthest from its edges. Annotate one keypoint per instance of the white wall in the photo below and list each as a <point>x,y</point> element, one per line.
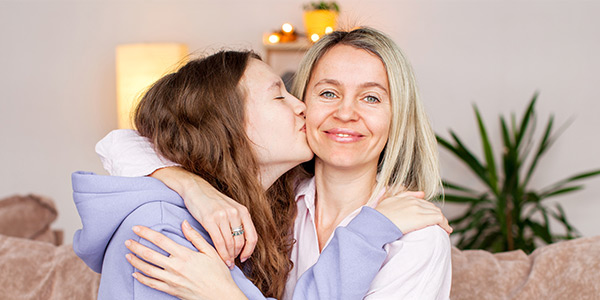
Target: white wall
<point>57,95</point>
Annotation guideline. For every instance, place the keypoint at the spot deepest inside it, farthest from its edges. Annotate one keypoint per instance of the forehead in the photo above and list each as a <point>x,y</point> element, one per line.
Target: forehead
<point>258,77</point>
<point>350,65</point>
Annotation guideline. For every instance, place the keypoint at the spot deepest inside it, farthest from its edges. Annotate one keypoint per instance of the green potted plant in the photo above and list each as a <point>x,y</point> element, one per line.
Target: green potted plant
<point>320,18</point>
<point>509,214</point>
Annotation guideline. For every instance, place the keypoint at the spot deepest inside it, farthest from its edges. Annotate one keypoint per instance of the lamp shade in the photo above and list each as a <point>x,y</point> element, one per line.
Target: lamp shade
<point>139,66</point>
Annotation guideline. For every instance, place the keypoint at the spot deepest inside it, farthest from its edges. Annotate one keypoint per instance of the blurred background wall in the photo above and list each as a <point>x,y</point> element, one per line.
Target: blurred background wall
<point>57,76</point>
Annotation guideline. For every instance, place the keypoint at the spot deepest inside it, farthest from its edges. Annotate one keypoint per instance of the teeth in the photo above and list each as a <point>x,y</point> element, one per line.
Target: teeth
<point>342,134</point>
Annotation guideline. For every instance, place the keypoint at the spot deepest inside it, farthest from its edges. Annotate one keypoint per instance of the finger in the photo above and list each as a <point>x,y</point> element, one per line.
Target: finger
<point>437,218</point>
<point>147,254</point>
<point>446,226</point>
<point>234,222</point>
<point>153,283</point>
<point>196,238</point>
<point>416,194</point>
<point>159,240</point>
<point>146,268</point>
<point>217,238</point>
<point>429,205</point>
<point>227,237</point>
<point>250,234</point>
<point>238,241</point>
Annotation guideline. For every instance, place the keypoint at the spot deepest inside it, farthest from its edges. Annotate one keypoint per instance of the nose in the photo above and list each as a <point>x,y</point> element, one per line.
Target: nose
<point>346,110</point>
<point>298,106</point>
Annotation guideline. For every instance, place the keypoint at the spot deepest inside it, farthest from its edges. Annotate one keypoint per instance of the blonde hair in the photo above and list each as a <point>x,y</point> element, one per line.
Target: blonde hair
<point>410,158</point>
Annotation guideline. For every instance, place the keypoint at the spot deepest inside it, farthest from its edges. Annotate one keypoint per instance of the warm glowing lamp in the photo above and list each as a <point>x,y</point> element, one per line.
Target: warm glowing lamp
<point>328,30</point>
<point>138,66</point>
<point>287,28</point>
<point>314,37</point>
<point>274,38</point>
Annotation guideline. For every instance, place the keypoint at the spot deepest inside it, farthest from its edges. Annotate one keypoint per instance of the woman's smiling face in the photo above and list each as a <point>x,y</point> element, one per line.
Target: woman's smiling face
<point>348,108</point>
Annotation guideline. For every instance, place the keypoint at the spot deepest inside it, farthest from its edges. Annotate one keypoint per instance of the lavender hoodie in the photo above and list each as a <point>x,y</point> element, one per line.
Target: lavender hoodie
<point>110,206</point>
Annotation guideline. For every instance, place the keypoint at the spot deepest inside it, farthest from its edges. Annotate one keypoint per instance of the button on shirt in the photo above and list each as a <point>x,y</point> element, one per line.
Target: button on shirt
<point>417,266</point>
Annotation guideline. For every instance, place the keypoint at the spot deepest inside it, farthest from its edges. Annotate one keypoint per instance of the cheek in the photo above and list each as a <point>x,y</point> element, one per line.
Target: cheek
<point>381,126</point>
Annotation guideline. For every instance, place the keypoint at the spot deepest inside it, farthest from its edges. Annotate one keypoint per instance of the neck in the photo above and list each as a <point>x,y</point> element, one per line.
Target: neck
<point>340,191</point>
<point>270,173</point>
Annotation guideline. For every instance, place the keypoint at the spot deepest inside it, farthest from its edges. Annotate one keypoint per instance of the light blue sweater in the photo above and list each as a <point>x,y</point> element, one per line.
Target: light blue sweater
<point>110,206</point>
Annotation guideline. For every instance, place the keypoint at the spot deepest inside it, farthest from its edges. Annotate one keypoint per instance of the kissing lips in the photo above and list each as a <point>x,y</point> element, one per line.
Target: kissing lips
<point>342,135</point>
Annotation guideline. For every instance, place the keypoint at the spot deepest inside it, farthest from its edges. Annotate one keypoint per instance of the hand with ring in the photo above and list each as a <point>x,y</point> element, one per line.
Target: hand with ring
<point>236,231</point>
<point>227,222</point>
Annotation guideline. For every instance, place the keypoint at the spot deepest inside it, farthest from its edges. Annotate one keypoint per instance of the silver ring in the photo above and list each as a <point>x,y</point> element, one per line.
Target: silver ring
<point>237,230</point>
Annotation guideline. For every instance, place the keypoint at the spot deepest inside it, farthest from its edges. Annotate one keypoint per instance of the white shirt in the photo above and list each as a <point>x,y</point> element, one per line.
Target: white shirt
<point>418,266</point>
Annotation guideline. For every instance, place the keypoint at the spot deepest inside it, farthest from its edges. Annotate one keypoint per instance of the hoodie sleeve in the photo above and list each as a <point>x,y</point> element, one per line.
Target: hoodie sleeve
<point>353,257</point>
<point>124,152</point>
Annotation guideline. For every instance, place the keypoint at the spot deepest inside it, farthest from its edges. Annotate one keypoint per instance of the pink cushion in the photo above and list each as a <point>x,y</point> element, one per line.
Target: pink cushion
<point>29,217</point>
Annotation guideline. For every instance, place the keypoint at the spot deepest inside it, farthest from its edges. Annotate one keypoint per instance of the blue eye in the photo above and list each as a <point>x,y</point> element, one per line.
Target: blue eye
<point>327,94</point>
<point>372,99</point>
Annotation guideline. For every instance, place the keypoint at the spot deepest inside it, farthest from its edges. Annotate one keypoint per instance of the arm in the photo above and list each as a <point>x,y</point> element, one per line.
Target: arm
<point>351,260</point>
<point>125,153</point>
<point>344,270</point>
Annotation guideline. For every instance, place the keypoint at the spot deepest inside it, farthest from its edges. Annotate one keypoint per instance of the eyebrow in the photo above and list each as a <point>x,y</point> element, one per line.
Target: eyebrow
<point>275,85</point>
<point>363,85</point>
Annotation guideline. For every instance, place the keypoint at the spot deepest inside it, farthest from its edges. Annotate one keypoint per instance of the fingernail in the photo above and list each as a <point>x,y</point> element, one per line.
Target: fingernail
<point>136,228</point>
<point>127,243</point>
<point>243,259</point>
<point>128,257</point>
<point>228,263</point>
<point>186,224</point>
<point>134,275</point>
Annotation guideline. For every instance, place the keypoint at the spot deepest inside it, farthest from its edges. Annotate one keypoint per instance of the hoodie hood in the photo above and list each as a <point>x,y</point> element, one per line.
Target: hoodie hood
<point>103,202</point>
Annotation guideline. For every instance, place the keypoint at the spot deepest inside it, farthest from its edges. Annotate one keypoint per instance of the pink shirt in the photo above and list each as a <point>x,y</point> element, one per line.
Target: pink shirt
<point>418,266</point>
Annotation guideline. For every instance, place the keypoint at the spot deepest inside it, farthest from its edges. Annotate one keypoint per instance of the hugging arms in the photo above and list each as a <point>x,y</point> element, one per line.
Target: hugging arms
<point>370,138</point>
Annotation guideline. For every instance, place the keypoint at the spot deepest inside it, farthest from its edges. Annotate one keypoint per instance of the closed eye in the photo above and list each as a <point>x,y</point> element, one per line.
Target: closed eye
<point>279,98</point>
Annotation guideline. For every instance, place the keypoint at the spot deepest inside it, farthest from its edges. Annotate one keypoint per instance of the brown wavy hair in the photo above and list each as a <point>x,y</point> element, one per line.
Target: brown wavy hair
<point>196,117</point>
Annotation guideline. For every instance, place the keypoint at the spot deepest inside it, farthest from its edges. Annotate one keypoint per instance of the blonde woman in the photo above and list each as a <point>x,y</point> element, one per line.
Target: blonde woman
<point>371,139</point>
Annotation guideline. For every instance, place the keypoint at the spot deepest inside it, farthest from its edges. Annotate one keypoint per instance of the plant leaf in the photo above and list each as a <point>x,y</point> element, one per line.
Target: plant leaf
<point>540,231</point>
<point>460,199</point>
<point>465,155</point>
<point>562,191</point>
<point>560,184</point>
<point>561,216</point>
<point>488,152</point>
<point>544,145</point>
<point>525,121</point>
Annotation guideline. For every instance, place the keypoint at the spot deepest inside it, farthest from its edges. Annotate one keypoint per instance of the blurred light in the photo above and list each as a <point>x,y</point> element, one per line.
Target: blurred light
<point>273,38</point>
<point>328,30</point>
<point>287,28</point>
<point>139,66</point>
<point>314,37</point>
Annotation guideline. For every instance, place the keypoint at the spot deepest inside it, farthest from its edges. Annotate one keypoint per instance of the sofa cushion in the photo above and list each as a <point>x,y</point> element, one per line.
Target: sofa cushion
<point>38,270</point>
<point>564,270</point>
<point>29,217</point>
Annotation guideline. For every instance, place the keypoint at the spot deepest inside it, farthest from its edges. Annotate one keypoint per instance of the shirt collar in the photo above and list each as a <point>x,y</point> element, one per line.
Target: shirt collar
<point>306,192</point>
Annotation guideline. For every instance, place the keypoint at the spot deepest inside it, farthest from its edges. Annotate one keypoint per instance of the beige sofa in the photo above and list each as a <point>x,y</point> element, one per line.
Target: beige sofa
<point>33,264</point>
